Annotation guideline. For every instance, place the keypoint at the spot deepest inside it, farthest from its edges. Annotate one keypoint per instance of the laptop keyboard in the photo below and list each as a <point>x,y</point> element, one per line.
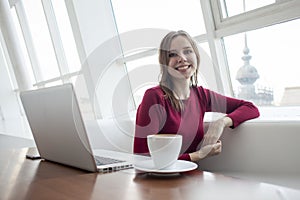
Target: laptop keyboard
<point>104,160</point>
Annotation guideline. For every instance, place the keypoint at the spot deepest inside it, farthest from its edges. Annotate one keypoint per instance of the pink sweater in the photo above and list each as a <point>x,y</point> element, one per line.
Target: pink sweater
<point>156,115</point>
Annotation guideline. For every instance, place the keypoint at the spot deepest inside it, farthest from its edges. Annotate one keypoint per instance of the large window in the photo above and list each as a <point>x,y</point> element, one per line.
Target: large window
<point>41,39</point>
<point>145,23</point>
<point>23,49</point>
<point>50,47</point>
<point>255,35</point>
<point>66,34</point>
<point>258,37</point>
<point>264,64</point>
<point>157,14</point>
<point>260,44</point>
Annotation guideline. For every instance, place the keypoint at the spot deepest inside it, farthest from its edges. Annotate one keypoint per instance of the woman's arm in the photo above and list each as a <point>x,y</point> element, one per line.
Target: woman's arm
<point>237,109</point>
<point>211,144</point>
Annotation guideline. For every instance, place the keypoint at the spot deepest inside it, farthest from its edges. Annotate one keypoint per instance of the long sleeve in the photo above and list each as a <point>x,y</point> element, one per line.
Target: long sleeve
<point>238,110</point>
<point>155,115</point>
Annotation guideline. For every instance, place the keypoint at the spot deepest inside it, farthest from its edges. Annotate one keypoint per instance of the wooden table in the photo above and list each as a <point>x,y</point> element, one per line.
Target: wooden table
<point>21,178</point>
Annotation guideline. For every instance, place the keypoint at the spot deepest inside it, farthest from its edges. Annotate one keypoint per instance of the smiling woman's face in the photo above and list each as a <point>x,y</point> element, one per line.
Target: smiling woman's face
<point>182,58</point>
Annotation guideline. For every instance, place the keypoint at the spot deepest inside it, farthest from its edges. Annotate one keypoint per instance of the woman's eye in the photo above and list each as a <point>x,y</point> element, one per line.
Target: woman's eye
<point>172,55</point>
<point>188,51</point>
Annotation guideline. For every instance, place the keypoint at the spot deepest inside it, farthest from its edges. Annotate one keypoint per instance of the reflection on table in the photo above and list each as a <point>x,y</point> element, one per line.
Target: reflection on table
<point>21,178</point>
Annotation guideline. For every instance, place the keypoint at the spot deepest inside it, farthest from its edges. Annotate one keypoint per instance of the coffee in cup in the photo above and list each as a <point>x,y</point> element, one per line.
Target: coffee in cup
<point>164,149</point>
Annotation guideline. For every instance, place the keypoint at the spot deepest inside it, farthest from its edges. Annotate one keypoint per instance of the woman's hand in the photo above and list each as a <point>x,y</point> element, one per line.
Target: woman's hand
<point>211,144</point>
<point>206,151</point>
<point>215,131</point>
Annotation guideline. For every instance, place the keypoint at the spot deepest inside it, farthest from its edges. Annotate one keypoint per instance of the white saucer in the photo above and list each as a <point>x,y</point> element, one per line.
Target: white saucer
<point>179,166</point>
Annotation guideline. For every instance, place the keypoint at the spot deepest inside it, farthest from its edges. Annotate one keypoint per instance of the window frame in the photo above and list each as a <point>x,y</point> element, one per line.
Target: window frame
<point>272,14</point>
<point>63,68</point>
<point>23,22</point>
<point>218,27</point>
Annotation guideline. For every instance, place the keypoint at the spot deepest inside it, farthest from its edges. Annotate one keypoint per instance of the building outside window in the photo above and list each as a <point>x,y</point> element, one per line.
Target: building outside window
<point>262,61</point>
<point>264,64</point>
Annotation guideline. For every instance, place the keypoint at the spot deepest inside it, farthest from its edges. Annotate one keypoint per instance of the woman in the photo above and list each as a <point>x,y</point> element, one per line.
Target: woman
<point>178,105</point>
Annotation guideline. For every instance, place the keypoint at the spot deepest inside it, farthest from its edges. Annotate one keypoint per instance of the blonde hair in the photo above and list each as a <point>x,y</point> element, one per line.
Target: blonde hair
<point>166,81</point>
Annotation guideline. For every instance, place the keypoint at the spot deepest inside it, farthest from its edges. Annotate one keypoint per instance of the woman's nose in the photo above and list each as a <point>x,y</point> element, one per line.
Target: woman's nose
<point>181,58</point>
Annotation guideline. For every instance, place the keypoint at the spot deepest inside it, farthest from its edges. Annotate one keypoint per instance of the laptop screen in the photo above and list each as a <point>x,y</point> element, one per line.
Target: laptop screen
<point>54,117</point>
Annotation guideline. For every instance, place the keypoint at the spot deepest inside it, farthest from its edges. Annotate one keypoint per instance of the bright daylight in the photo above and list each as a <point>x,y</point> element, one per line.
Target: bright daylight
<point>149,99</point>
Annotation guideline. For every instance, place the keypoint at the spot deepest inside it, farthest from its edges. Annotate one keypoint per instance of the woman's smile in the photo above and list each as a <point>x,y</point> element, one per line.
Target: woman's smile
<point>183,68</point>
<point>182,58</point>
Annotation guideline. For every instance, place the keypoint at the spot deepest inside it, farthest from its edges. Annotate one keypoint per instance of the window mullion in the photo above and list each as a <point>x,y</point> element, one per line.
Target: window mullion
<point>55,37</point>
<point>217,54</point>
<point>201,38</point>
<point>259,18</point>
<point>35,65</point>
<point>216,12</point>
<point>76,31</point>
<point>7,60</point>
<point>65,76</point>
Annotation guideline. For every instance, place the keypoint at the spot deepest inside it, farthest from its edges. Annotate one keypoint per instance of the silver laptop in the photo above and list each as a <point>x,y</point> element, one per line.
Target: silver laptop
<point>59,132</point>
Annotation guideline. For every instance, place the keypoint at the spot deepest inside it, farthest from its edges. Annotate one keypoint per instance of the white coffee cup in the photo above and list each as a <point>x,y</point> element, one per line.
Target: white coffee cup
<point>164,149</point>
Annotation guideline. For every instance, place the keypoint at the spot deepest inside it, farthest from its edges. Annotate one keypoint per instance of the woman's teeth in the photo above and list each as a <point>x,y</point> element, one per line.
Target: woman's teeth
<point>183,67</point>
